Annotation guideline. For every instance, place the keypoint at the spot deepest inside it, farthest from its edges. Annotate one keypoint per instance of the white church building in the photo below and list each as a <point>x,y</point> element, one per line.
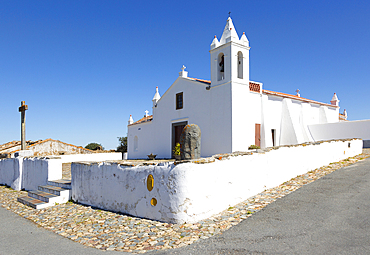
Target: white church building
<point>218,107</point>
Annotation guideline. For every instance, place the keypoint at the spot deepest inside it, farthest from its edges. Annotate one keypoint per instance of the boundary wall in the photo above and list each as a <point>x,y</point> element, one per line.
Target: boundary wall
<point>192,191</point>
<point>91,157</point>
<point>28,173</point>
<point>342,130</point>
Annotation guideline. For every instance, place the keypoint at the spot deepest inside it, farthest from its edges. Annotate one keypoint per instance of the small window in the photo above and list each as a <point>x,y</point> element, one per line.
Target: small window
<point>179,101</point>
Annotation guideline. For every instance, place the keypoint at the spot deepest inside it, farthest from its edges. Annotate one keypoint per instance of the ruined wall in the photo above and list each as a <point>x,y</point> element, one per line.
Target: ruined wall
<point>189,192</point>
<point>54,147</point>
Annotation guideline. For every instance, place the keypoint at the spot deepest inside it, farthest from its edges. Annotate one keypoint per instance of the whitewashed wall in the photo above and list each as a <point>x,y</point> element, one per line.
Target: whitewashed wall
<point>38,171</point>
<point>156,136</point>
<point>342,130</point>
<point>191,192</point>
<point>226,115</point>
<point>246,112</point>
<point>290,118</point>
<point>11,172</point>
<point>91,157</point>
<point>28,173</point>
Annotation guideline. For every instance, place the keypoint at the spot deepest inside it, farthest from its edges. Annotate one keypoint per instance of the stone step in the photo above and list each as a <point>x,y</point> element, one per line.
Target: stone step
<point>33,202</point>
<point>58,191</point>
<point>44,196</point>
<point>63,183</point>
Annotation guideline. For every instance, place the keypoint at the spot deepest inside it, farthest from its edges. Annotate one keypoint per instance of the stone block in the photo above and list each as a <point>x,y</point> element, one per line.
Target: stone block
<point>190,142</point>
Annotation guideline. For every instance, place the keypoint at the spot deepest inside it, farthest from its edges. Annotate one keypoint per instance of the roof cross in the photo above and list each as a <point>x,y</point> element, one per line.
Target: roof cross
<point>229,14</point>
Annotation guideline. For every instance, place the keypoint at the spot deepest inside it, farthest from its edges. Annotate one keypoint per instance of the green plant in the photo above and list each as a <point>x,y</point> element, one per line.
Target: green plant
<point>176,149</point>
<point>252,147</point>
<point>94,146</point>
<point>122,147</point>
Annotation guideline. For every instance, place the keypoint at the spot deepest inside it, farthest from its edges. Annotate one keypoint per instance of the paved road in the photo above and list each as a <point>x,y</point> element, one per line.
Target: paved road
<point>328,216</point>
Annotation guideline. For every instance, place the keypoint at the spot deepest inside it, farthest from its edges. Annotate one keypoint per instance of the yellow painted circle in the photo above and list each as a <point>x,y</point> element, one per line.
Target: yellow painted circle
<point>150,182</point>
<point>153,202</point>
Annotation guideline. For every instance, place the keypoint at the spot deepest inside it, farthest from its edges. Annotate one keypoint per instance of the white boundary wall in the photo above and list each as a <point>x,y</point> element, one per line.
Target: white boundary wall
<point>28,173</point>
<point>342,130</point>
<point>91,157</point>
<point>38,171</point>
<point>191,192</point>
<point>11,172</point>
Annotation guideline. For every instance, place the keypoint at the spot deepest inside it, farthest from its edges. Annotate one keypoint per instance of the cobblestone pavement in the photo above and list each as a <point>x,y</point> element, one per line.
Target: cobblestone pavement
<point>113,231</point>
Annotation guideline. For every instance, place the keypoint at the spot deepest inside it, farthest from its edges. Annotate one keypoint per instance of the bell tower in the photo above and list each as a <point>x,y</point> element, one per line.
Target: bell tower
<point>230,57</point>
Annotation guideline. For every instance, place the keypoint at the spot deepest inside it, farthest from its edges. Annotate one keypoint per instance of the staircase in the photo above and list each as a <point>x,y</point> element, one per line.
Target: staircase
<point>58,191</point>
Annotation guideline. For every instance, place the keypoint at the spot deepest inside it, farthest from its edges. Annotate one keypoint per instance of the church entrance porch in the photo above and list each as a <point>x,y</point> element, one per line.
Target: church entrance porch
<point>176,133</point>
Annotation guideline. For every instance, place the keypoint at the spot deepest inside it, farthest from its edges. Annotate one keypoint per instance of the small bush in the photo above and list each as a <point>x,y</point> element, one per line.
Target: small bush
<point>253,147</point>
<point>94,146</point>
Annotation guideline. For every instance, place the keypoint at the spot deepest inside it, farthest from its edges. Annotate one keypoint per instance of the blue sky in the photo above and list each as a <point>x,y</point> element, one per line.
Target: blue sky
<point>84,66</point>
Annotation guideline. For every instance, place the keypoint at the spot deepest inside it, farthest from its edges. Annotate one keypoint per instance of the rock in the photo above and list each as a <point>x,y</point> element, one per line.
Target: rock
<point>190,142</point>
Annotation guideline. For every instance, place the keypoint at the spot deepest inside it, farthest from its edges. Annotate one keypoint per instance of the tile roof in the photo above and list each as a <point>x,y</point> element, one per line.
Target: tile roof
<point>142,120</point>
<point>33,143</point>
<point>277,94</point>
<point>268,92</point>
<point>12,144</point>
<point>200,80</point>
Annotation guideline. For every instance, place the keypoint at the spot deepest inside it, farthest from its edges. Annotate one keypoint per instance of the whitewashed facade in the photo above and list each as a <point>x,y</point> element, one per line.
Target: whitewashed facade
<point>218,107</point>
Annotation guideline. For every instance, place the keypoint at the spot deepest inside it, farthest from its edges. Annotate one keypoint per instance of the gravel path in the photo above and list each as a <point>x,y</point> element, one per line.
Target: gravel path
<point>112,231</point>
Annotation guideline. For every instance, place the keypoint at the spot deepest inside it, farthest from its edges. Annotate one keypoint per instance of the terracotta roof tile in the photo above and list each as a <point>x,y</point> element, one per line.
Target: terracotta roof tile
<point>142,120</point>
<point>33,143</point>
<point>277,94</point>
<point>268,92</point>
<point>200,80</point>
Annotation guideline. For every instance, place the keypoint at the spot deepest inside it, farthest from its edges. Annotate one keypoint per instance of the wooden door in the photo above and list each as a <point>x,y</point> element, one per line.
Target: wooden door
<point>176,133</point>
<point>257,135</point>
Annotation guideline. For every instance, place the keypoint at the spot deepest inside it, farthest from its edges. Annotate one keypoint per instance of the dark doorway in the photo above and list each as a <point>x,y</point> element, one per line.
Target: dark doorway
<point>273,136</point>
<point>176,133</point>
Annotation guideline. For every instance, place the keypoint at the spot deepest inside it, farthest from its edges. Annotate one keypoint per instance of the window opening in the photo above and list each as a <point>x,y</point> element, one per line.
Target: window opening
<point>221,67</point>
<point>179,101</point>
<point>240,65</point>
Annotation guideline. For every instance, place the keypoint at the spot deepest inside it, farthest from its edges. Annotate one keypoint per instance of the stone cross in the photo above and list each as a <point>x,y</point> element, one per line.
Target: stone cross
<point>22,110</point>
